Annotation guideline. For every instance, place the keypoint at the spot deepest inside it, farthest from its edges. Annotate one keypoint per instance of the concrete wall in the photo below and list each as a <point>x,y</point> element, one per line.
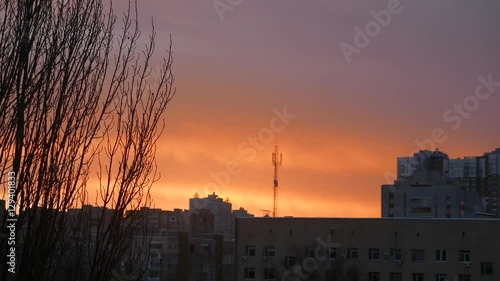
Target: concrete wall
<point>293,236</point>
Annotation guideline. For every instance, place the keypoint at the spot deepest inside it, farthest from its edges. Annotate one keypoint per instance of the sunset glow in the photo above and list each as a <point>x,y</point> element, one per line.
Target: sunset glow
<point>352,119</point>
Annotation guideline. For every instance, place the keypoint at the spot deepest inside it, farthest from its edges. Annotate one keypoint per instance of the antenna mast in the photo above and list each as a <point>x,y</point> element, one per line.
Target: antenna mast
<point>277,160</point>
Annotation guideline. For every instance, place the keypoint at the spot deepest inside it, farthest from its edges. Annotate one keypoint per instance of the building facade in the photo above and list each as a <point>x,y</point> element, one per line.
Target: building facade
<point>220,210</point>
<point>367,249</point>
<point>430,201</point>
<point>430,184</point>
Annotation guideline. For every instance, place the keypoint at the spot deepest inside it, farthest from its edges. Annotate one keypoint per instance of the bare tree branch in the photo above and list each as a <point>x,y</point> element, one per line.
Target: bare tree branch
<point>72,103</point>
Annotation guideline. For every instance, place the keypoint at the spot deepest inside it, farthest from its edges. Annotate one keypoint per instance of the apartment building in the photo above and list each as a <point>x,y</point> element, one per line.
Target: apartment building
<point>169,257</point>
<point>176,257</point>
<point>220,209</point>
<point>367,249</point>
<point>159,222</point>
<point>206,257</point>
<point>430,201</point>
<point>430,184</point>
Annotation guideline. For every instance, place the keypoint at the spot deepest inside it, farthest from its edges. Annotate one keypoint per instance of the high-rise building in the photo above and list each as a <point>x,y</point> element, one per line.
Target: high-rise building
<point>492,181</point>
<point>430,184</point>
<point>220,209</point>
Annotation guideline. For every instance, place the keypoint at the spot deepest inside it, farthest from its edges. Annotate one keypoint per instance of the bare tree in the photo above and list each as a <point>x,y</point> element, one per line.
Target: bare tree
<point>74,97</point>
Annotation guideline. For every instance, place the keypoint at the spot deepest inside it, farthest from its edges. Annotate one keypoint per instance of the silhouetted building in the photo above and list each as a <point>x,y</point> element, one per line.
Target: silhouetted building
<point>201,221</point>
<point>242,213</point>
<point>160,221</point>
<point>206,256</point>
<point>220,210</point>
<point>367,249</point>
<point>169,257</point>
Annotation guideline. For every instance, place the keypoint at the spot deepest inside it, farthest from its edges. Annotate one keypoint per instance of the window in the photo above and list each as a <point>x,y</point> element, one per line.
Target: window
<point>249,273</point>
<point>421,210</point>
<point>250,251</point>
<point>289,261</point>
<point>396,254</point>
<point>391,204</point>
<point>374,276</point>
<point>417,255</point>
<point>486,268</point>
<point>269,251</point>
<point>396,276</point>
<point>310,252</point>
<point>418,277</point>
<point>374,254</point>
<point>464,256</point>
<point>154,265</point>
<point>441,277</point>
<point>352,253</point>
<point>440,255</point>
<point>332,253</point>
<point>269,274</point>
<point>464,277</point>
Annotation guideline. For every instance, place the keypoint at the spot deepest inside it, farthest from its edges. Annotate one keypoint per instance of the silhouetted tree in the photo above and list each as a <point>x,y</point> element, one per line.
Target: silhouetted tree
<point>74,98</point>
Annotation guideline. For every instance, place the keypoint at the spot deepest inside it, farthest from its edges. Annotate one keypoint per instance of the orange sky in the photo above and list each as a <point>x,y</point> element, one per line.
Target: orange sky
<point>352,119</point>
<point>327,170</point>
